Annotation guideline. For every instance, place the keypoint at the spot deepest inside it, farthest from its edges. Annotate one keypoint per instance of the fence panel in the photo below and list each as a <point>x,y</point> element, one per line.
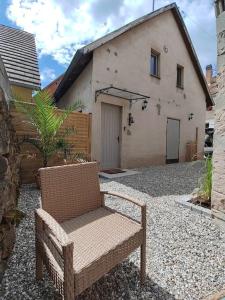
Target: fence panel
<point>80,141</point>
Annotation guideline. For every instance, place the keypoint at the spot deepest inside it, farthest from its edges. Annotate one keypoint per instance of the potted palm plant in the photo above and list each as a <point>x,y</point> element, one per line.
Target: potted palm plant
<point>202,194</point>
<point>47,121</point>
<point>205,189</point>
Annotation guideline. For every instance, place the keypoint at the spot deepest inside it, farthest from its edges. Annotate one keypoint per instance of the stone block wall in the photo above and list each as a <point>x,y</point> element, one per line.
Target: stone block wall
<point>218,188</point>
<point>9,179</point>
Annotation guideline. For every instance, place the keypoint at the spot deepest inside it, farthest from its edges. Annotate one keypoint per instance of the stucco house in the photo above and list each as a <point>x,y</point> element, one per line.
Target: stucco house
<point>19,56</point>
<point>145,89</point>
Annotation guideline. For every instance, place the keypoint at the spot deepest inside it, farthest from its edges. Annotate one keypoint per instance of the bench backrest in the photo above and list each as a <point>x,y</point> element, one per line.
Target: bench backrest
<point>71,190</point>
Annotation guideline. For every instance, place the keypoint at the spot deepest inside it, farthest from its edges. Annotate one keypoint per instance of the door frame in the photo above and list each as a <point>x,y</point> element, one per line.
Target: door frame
<point>121,131</point>
<point>172,161</point>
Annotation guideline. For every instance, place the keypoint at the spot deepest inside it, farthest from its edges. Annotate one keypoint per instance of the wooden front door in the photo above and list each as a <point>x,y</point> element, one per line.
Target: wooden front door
<point>172,141</point>
<point>111,136</point>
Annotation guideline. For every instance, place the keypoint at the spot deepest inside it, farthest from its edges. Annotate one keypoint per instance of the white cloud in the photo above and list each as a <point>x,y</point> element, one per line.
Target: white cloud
<point>48,74</point>
<point>63,26</point>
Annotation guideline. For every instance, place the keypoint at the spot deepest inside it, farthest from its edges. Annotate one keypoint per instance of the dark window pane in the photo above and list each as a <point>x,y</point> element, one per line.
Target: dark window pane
<point>223,5</point>
<point>179,76</point>
<point>154,64</point>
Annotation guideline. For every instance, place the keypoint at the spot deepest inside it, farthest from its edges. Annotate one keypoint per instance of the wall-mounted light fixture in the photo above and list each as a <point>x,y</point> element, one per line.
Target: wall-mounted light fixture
<point>130,119</point>
<point>144,104</point>
<point>165,49</point>
<point>190,116</point>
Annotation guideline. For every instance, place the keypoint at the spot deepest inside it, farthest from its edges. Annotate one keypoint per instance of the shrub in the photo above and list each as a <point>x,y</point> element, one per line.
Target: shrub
<point>205,189</point>
<point>47,121</point>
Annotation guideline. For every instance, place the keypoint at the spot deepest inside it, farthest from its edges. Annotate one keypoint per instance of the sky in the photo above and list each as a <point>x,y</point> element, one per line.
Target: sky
<point>63,26</point>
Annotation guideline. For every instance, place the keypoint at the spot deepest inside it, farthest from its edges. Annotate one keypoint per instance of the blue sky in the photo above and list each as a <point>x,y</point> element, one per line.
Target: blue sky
<point>62,26</point>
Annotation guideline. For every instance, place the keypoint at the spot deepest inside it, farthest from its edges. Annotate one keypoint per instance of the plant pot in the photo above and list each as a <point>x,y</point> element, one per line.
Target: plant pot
<point>201,201</point>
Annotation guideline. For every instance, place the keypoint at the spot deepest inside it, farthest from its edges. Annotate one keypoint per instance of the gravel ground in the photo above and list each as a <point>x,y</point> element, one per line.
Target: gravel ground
<point>185,250</point>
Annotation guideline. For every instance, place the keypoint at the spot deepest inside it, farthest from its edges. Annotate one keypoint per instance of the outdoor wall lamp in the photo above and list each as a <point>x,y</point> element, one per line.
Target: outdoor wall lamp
<point>144,104</point>
<point>130,119</point>
<point>190,116</point>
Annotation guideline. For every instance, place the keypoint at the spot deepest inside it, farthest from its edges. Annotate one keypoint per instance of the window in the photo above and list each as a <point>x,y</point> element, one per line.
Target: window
<point>220,7</point>
<point>223,5</point>
<point>180,76</point>
<point>155,63</point>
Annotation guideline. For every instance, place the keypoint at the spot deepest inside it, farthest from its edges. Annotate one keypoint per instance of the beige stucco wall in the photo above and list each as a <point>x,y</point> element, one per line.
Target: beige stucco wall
<point>126,65</point>
<point>124,62</point>
<point>80,90</point>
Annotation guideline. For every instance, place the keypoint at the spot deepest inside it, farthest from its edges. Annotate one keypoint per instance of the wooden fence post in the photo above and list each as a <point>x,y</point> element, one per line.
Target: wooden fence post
<point>89,135</point>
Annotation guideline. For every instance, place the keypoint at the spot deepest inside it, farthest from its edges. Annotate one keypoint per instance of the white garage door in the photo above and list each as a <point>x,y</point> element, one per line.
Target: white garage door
<point>172,140</point>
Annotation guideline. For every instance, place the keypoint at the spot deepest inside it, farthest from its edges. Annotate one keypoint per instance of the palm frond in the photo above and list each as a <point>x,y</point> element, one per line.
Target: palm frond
<point>47,120</point>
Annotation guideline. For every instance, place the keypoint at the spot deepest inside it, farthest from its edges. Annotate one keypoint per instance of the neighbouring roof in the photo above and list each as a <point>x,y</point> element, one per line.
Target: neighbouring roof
<point>83,56</point>
<point>18,53</point>
<point>52,86</point>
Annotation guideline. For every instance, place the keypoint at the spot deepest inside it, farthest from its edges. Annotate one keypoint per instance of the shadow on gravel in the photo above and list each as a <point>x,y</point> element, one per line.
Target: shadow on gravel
<point>176,179</point>
<point>123,283</point>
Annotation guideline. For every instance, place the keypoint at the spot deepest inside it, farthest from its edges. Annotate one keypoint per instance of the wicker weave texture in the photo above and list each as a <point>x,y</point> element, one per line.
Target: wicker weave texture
<point>102,238</point>
<point>96,233</point>
<point>70,191</point>
<point>78,238</point>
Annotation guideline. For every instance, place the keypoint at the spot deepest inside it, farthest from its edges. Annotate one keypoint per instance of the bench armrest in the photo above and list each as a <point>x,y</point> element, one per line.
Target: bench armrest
<point>125,197</point>
<point>134,201</point>
<point>53,226</point>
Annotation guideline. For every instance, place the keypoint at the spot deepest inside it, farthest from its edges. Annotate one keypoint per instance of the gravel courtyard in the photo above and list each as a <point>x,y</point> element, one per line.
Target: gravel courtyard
<point>185,250</point>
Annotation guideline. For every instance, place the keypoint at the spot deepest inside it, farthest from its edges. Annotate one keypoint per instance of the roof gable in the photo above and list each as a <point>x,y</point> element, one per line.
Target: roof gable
<point>84,55</point>
<point>52,86</point>
<point>18,53</point>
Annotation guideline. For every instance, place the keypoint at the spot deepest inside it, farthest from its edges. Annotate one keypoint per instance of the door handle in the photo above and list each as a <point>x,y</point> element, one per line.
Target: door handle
<point>118,139</point>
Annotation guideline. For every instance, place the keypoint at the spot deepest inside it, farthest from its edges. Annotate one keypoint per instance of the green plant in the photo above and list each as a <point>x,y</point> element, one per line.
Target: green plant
<point>13,216</point>
<point>47,120</point>
<point>206,182</point>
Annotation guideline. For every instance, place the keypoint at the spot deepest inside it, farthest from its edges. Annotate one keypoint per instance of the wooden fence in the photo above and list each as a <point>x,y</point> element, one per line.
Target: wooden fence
<point>31,161</point>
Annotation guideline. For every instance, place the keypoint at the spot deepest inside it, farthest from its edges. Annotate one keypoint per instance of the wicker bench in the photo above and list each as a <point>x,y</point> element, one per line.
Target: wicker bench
<point>78,238</point>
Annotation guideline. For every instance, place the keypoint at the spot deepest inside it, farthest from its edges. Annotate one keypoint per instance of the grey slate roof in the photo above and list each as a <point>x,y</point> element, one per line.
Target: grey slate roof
<point>18,53</point>
<point>83,56</point>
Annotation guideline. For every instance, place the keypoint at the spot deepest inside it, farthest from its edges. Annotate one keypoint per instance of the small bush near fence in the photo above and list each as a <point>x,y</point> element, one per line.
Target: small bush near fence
<point>31,161</point>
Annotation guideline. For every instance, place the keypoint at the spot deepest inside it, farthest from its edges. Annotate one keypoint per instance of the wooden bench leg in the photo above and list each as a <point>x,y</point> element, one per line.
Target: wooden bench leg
<point>143,263</point>
<point>39,262</point>
<point>69,291</point>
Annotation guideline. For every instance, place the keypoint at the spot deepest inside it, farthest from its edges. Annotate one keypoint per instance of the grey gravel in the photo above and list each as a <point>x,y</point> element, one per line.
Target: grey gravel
<point>185,250</point>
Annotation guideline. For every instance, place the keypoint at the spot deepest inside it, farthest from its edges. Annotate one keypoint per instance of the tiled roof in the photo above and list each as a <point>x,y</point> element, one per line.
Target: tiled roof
<point>52,86</point>
<point>18,52</point>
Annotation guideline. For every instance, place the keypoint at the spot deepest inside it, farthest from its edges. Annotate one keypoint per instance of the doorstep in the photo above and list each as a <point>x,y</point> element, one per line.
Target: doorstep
<point>126,172</point>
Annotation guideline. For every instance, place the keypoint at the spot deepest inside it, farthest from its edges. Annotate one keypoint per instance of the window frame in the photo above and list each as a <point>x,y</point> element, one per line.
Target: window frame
<point>180,84</point>
<point>156,54</point>
<point>223,5</point>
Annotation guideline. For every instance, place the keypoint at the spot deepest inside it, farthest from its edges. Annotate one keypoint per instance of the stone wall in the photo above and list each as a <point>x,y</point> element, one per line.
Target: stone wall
<point>9,162</point>
<point>218,188</point>
<point>218,191</point>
